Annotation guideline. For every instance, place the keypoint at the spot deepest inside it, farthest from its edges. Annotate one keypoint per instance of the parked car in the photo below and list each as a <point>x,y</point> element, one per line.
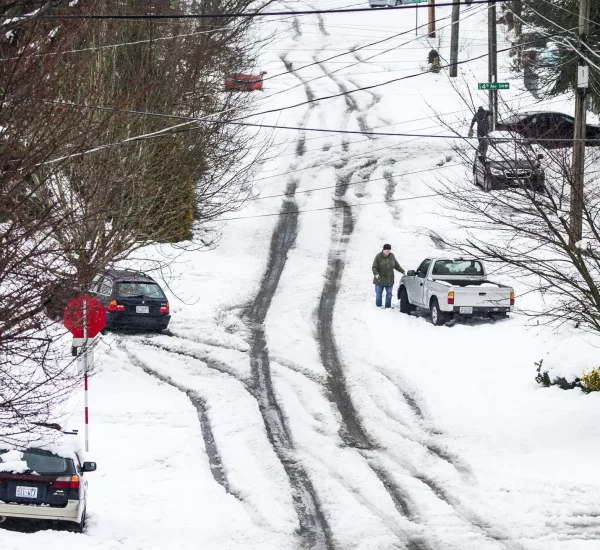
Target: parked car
<point>44,484</point>
<point>508,161</point>
<point>552,130</point>
<point>384,3</point>
<point>133,300</point>
<point>450,287</point>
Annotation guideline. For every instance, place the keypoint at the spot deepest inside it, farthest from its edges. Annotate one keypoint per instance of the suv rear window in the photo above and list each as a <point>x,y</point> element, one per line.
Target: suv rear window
<point>44,462</point>
<point>136,288</point>
<point>457,267</point>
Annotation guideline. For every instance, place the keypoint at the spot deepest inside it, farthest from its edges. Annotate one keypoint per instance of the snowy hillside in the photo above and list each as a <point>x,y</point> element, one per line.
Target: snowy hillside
<point>284,410</point>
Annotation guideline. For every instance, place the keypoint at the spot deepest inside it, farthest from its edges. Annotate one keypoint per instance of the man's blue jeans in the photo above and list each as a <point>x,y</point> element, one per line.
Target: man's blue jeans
<point>379,295</point>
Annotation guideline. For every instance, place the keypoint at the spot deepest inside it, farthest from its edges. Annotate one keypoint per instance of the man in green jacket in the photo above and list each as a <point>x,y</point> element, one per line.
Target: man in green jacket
<point>383,273</point>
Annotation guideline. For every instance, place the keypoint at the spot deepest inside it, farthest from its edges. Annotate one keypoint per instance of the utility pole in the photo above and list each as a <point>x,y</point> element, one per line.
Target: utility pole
<point>454,39</point>
<point>578,168</point>
<point>431,11</point>
<point>493,61</point>
<point>518,26</point>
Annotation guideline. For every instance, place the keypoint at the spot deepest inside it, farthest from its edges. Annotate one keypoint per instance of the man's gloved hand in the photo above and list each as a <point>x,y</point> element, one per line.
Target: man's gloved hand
<point>403,272</point>
<point>470,134</point>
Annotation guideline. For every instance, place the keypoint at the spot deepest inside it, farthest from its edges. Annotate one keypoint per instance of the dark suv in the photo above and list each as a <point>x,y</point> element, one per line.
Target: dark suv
<point>506,160</point>
<point>133,300</point>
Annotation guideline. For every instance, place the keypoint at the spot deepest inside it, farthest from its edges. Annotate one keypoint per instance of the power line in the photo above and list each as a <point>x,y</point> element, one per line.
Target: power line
<point>336,207</point>
<point>371,87</point>
<point>354,50</point>
<point>355,183</point>
<point>231,15</point>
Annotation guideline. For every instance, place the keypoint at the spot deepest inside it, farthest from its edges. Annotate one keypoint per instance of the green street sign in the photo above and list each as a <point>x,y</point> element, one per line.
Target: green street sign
<point>493,86</point>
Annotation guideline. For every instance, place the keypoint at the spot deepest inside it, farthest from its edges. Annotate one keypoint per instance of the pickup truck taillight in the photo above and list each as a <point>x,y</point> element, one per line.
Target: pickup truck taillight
<point>512,298</point>
<point>450,298</point>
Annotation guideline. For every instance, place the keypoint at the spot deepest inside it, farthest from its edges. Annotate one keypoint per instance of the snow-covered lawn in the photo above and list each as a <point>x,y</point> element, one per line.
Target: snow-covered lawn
<point>394,433</point>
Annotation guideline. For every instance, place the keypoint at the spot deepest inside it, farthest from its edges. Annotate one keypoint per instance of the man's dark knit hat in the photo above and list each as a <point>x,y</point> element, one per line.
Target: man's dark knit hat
<point>387,246</point>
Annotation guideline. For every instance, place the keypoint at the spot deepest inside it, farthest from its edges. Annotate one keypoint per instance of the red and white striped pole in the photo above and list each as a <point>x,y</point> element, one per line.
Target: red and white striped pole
<point>85,372</point>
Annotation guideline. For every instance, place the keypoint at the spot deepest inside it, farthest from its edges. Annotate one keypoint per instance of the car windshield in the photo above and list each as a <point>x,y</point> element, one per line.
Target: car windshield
<point>457,267</point>
<point>507,149</point>
<point>41,461</point>
<point>136,288</point>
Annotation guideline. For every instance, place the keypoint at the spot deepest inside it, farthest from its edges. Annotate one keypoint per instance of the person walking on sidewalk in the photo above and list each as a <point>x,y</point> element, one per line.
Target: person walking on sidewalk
<point>383,273</point>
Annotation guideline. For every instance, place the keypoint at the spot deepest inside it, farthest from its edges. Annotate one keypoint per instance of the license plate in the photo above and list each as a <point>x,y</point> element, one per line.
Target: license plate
<point>27,492</point>
<point>142,309</point>
<point>466,310</point>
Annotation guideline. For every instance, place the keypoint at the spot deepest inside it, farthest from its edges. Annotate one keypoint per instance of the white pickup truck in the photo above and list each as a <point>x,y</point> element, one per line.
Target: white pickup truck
<point>453,287</point>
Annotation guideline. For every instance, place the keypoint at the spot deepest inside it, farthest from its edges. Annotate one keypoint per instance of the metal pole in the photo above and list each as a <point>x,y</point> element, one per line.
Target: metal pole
<point>492,62</point>
<point>454,39</point>
<point>578,166</point>
<point>85,373</point>
<point>431,11</point>
<point>416,18</point>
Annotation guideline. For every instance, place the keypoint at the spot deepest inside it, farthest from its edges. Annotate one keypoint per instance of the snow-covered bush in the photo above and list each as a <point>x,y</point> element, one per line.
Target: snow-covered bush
<point>544,379</point>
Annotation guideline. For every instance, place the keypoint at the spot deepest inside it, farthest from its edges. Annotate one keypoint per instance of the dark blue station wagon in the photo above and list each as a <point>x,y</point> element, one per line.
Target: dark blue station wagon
<point>133,300</point>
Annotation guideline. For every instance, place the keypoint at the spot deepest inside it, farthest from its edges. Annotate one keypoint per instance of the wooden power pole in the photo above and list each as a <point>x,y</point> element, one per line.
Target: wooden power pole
<point>431,11</point>
<point>454,39</point>
<point>578,167</point>
<point>493,61</point>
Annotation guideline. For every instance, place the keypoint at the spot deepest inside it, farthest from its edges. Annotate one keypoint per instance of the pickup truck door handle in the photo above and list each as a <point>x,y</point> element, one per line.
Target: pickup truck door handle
<point>420,284</point>
<point>482,294</point>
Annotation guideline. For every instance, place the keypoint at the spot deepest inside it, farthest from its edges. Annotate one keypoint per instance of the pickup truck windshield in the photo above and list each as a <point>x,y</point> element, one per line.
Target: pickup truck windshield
<point>457,268</point>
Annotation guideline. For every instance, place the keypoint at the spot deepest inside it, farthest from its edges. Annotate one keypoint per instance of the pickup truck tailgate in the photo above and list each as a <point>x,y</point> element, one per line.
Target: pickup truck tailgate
<point>482,296</point>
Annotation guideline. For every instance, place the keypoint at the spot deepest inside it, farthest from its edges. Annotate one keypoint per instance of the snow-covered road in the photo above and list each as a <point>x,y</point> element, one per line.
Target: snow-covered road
<point>284,410</point>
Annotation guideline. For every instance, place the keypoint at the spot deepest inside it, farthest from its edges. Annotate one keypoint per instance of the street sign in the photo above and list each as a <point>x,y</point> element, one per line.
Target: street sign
<point>88,308</point>
<point>493,86</point>
<point>414,1</point>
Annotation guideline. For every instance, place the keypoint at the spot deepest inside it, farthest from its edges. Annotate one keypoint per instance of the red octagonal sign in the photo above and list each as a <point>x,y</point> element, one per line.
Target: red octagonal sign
<point>88,309</point>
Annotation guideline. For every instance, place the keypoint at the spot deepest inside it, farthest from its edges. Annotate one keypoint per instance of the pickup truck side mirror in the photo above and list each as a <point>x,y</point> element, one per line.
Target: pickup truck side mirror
<point>411,273</point>
<point>89,467</point>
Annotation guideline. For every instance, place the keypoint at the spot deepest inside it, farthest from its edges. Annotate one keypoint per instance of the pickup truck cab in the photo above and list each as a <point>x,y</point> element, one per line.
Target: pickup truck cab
<point>449,287</point>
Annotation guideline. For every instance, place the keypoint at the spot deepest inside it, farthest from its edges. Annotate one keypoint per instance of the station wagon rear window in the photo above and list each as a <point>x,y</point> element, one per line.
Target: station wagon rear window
<point>457,267</point>
<point>43,462</point>
<point>147,290</point>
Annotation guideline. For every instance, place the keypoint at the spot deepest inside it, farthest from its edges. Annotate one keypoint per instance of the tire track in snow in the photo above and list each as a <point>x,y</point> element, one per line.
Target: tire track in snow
<point>212,451</point>
<point>351,430</point>
<point>313,526</point>
<point>204,357</point>
<point>351,103</point>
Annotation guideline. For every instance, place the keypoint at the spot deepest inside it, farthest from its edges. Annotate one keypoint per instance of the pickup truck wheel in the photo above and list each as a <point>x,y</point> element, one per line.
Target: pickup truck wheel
<point>438,317</point>
<point>405,306</point>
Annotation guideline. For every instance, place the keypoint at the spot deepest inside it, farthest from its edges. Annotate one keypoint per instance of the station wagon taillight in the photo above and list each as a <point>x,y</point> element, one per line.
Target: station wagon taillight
<point>450,298</point>
<point>164,308</point>
<point>512,298</point>
<point>113,306</point>
<point>66,482</point>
